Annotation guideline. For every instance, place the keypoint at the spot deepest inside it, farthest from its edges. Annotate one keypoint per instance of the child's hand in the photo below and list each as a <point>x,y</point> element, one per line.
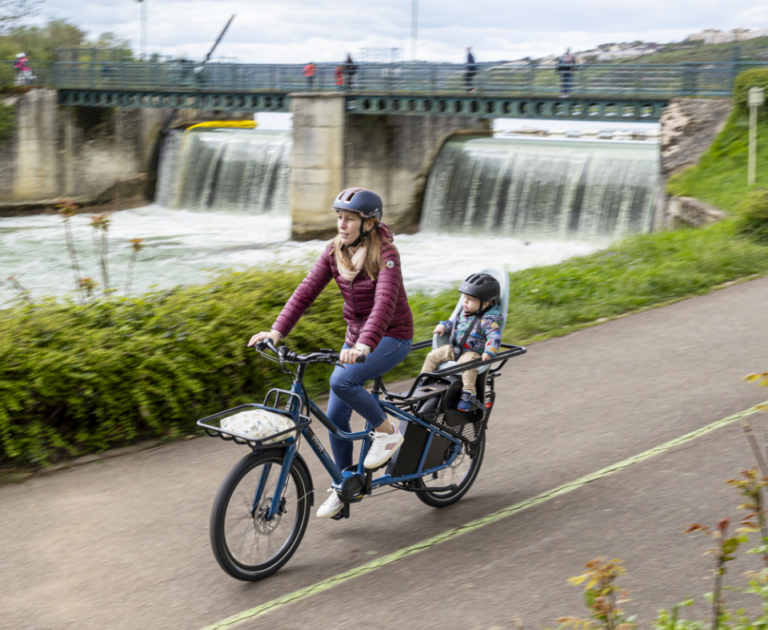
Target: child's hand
<point>439,329</point>
<point>486,356</point>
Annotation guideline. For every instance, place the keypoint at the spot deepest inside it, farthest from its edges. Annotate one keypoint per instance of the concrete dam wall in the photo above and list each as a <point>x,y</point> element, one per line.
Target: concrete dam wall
<point>94,155</point>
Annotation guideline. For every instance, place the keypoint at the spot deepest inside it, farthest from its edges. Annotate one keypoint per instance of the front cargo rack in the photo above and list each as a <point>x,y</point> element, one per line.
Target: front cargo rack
<point>255,444</point>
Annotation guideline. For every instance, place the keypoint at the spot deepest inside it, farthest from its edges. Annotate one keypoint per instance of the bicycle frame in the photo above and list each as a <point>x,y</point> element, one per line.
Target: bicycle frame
<point>298,393</point>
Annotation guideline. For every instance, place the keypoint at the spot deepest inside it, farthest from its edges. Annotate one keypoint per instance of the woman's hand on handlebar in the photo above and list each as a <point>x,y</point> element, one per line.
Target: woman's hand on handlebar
<point>350,355</point>
<point>273,335</point>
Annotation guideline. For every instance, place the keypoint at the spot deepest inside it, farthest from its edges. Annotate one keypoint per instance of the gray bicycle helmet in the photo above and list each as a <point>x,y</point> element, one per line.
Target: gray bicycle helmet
<point>483,286</point>
<point>364,202</point>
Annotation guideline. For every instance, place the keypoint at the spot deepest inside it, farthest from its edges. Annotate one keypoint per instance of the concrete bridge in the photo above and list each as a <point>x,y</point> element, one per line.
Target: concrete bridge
<point>381,129</point>
<point>624,91</point>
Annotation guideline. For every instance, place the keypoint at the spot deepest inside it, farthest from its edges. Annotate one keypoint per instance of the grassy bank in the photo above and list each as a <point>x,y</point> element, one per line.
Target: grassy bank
<point>720,176</point>
<point>77,379</point>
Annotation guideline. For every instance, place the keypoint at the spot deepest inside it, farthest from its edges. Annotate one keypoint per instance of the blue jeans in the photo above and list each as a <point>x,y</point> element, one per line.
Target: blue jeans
<point>348,393</point>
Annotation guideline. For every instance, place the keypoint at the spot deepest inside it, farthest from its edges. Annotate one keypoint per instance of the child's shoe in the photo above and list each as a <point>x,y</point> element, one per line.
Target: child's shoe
<point>467,402</point>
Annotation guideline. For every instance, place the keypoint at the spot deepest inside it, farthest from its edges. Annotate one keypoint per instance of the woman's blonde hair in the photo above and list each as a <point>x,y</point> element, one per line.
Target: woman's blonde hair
<point>372,243</point>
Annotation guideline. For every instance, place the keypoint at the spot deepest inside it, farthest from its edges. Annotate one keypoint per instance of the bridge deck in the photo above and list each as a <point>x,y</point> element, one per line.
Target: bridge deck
<point>508,89</point>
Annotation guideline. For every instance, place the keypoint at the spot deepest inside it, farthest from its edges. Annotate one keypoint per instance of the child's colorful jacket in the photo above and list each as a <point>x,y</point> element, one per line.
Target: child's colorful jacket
<point>486,335</point>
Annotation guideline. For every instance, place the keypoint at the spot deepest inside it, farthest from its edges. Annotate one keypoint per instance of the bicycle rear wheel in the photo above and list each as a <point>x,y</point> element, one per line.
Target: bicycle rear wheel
<point>246,544</point>
<point>462,474</point>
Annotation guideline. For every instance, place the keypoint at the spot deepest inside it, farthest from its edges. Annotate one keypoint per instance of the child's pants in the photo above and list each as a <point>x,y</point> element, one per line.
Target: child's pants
<point>445,353</point>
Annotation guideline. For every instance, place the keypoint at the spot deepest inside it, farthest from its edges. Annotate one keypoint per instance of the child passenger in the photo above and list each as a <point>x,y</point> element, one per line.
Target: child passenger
<point>475,330</point>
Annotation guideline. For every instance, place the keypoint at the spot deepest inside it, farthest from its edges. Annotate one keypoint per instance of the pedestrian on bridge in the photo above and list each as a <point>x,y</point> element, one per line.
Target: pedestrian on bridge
<point>469,75</point>
<point>309,73</point>
<point>350,69</point>
<point>565,68</point>
<point>23,70</point>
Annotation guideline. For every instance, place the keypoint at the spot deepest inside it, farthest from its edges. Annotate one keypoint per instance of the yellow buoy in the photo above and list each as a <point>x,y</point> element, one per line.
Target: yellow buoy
<point>226,124</point>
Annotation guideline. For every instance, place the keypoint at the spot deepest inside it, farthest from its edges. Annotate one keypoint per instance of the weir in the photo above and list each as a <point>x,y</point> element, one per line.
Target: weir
<point>563,189</point>
<point>228,170</point>
<point>542,187</point>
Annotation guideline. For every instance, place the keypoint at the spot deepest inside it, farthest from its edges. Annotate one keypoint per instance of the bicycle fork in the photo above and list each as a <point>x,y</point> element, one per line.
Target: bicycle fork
<point>282,479</point>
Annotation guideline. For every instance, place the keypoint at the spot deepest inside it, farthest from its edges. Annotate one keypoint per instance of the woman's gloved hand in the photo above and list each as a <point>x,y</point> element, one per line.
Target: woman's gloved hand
<point>272,334</point>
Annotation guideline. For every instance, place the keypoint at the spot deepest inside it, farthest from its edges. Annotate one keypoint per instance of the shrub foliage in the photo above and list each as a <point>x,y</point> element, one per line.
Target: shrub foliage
<point>82,378</point>
<point>753,216</point>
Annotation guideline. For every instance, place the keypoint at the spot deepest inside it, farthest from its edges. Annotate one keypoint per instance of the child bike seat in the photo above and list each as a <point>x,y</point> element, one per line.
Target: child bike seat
<point>503,279</point>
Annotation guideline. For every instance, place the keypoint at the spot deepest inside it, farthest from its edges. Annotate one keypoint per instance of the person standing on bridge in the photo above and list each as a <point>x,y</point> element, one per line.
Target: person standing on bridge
<point>469,75</point>
<point>565,68</point>
<point>350,69</point>
<point>338,76</point>
<point>365,264</point>
<point>309,73</point>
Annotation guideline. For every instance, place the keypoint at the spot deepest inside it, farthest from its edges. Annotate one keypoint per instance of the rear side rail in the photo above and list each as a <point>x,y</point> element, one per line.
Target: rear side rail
<point>509,351</point>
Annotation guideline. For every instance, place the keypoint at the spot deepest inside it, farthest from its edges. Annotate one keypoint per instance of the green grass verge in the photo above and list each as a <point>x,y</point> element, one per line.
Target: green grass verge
<point>720,176</point>
<point>77,379</point>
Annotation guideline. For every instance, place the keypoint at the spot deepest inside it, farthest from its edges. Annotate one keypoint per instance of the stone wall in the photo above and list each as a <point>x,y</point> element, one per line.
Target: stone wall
<point>391,155</point>
<point>688,128</point>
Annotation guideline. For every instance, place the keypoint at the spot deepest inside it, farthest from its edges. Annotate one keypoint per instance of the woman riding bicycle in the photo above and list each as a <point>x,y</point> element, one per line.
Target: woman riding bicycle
<point>366,266</point>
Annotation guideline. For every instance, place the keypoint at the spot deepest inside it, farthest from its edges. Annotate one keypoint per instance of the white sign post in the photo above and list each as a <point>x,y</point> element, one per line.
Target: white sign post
<point>755,99</point>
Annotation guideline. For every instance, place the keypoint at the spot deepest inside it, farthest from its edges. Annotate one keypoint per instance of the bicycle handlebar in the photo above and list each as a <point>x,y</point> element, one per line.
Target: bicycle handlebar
<point>284,353</point>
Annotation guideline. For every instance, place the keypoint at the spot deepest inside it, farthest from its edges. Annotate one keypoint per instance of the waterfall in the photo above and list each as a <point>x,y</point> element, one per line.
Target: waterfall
<point>230,170</point>
<point>542,187</point>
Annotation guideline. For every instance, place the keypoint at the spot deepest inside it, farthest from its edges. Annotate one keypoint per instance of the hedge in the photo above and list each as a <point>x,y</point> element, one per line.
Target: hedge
<point>80,378</point>
<point>83,378</point>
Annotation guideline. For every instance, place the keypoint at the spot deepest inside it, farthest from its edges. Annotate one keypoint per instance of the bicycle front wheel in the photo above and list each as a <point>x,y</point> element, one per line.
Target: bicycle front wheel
<point>247,544</point>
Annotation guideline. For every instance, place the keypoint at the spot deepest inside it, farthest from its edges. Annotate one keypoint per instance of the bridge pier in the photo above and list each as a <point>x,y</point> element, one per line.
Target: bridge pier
<point>391,154</point>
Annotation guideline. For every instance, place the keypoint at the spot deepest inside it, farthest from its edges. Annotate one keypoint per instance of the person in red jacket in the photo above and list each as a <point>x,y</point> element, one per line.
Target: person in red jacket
<point>309,73</point>
<point>366,266</point>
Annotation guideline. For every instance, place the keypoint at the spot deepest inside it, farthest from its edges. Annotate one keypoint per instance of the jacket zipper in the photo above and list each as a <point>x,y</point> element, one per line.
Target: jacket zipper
<point>352,292</point>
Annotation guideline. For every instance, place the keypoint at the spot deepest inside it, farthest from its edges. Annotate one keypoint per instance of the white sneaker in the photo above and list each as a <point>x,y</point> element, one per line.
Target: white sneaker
<point>383,446</point>
<point>331,507</point>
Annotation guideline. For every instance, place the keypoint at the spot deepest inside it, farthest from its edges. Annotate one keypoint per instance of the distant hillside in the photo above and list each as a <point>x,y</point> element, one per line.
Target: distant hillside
<point>748,50</point>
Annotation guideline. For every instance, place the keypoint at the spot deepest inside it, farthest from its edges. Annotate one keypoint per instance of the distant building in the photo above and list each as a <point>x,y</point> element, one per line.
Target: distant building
<point>716,36</point>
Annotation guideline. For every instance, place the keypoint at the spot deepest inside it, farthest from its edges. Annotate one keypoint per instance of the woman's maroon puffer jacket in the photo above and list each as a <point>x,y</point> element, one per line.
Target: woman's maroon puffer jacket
<point>372,310</point>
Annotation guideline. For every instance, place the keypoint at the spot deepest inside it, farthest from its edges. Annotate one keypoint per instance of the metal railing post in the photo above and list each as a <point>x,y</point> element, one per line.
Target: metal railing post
<point>93,65</point>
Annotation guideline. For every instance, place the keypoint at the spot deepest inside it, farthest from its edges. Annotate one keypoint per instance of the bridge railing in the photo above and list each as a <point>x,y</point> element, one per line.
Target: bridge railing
<point>635,81</point>
<point>42,74</point>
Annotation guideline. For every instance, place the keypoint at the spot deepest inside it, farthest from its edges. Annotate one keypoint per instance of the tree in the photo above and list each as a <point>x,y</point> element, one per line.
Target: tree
<point>11,11</point>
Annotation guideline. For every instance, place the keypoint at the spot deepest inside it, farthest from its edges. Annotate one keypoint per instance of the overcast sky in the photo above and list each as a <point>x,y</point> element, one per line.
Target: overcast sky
<point>296,31</point>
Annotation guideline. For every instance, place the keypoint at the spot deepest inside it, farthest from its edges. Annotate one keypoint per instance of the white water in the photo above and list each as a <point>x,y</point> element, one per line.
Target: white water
<point>560,188</point>
<point>231,191</point>
<point>229,170</point>
<point>183,247</point>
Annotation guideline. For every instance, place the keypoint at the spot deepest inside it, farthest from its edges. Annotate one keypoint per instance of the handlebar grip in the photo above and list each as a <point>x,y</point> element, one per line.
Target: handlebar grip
<point>360,359</point>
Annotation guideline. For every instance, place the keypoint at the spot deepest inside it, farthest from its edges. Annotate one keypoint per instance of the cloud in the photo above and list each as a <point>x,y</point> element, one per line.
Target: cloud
<point>295,31</point>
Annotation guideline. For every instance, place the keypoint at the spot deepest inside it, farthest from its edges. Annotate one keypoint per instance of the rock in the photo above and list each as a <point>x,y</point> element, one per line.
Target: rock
<point>687,211</point>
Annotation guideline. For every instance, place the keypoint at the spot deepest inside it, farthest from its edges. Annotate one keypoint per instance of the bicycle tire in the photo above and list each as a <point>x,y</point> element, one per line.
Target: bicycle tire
<point>227,519</point>
<point>444,499</point>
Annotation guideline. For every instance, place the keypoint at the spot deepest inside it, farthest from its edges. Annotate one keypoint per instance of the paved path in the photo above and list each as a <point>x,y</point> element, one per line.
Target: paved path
<point>124,543</point>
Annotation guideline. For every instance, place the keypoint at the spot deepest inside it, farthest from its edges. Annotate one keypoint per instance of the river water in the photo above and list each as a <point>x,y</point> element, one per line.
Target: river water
<point>184,247</point>
<point>223,204</point>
